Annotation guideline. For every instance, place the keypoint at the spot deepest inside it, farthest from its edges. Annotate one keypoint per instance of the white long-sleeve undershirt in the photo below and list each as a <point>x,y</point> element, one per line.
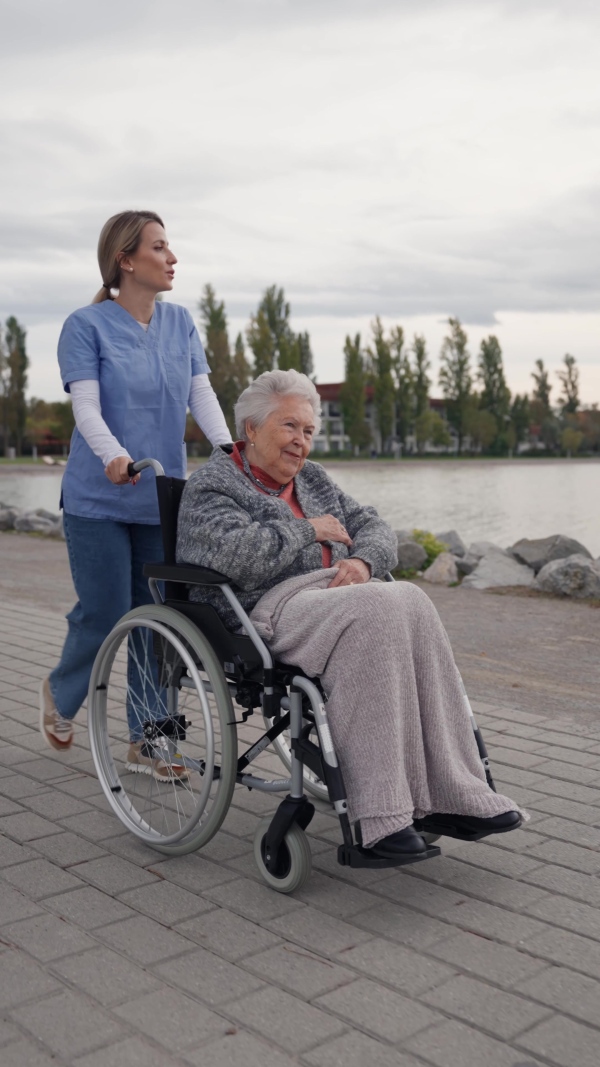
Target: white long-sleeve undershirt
<point>202,403</point>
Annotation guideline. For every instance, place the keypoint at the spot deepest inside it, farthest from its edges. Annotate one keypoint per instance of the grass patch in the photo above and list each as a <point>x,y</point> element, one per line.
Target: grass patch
<point>404,575</point>
<point>432,546</point>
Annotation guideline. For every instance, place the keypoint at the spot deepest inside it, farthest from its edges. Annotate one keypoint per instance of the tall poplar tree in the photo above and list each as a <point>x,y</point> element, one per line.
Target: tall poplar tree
<point>306,357</point>
<point>241,367</point>
<point>18,364</point>
<point>569,379</point>
<point>455,378</point>
<point>543,416</point>
<point>380,358</point>
<point>272,340</point>
<point>421,379</point>
<point>542,390</point>
<point>229,374</point>
<point>352,395</point>
<point>520,418</point>
<point>495,394</point>
<point>261,343</point>
<point>4,391</point>
<point>405,384</point>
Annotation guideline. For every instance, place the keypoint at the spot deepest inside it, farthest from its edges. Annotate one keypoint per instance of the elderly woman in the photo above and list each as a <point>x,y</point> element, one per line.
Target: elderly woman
<point>304,559</point>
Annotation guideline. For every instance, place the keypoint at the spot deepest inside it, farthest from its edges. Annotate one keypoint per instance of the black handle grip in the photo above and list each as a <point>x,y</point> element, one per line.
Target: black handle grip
<point>140,465</point>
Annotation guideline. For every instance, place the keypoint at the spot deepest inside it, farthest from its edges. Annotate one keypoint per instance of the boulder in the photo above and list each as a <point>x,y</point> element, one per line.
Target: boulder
<point>442,571</point>
<point>411,556</point>
<point>51,516</point>
<point>404,535</point>
<point>454,541</point>
<point>496,569</point>
<point>481,548</point>
<point>467,563</point>
<point>29,522</point>
<point>542,550</point>
<point>7,518</point>
<point>576,576</point>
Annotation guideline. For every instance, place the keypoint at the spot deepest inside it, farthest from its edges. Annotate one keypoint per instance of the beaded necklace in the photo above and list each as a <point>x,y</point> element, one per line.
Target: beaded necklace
<point>257,481</point>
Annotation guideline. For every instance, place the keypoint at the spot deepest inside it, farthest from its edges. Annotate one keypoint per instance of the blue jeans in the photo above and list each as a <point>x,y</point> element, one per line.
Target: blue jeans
<point>106,561</point>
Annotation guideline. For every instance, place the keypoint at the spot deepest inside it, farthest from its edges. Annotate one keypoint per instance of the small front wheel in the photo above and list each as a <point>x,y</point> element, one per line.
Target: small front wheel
<point>295,858</point>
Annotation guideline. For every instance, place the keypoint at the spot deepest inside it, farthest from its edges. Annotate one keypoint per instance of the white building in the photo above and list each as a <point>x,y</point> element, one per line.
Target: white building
<point>332,437</point>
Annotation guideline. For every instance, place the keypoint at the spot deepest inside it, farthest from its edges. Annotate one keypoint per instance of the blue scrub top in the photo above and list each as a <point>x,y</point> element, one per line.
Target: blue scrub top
<point>145,379</point>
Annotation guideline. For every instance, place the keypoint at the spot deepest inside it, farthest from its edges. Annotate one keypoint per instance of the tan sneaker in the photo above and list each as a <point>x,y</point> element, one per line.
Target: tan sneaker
<point>140,762</point>
<point>56,731</point>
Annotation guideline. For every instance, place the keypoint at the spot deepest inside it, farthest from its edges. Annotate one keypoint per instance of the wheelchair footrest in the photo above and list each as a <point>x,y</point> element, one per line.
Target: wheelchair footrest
<point>425,826</point>
<point>357,856</point>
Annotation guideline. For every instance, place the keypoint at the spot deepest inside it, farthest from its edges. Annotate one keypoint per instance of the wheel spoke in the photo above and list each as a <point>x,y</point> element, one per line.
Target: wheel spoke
<point>160,793</point>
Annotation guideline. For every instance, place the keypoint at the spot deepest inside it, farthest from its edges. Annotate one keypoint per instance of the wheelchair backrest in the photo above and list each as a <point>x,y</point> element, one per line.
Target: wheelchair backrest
<point>169,492</point>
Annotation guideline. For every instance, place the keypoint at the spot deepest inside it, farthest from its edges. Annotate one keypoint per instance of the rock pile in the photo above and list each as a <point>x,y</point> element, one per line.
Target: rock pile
<point>557,564</point>
<point>39,521</point>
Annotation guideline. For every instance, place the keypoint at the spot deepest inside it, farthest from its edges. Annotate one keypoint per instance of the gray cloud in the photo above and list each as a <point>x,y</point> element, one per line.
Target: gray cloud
<point>391,253</point>
<point>545,263</point>
<point>36,26</point>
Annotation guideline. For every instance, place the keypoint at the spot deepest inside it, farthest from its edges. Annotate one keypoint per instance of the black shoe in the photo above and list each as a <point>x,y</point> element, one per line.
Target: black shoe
<point>469,826</point>
<point>405,842</point>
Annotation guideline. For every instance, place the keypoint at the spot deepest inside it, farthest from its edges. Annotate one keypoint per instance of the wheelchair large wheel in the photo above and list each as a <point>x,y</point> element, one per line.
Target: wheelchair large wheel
<point>157,679</point>
<point>281,745</point>
<point>295,860</point>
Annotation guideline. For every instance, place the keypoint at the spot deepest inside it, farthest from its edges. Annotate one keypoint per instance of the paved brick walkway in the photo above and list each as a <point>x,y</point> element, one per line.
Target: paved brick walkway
<point>113,956</point>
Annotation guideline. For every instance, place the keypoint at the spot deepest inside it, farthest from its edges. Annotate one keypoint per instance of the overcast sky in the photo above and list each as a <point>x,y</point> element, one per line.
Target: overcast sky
<point>410,159</point>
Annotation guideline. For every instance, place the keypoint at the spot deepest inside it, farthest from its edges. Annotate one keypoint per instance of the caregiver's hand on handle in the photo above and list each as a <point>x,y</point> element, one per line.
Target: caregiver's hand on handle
<point>328,528</point>
<point>117,471</point>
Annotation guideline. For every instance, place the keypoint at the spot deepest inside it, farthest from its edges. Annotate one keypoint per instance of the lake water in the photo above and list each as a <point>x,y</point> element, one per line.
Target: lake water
<point>498,501</point>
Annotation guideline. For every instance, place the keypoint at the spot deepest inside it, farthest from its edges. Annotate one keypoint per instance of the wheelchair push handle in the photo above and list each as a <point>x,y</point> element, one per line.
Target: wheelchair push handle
<point>141,464</point>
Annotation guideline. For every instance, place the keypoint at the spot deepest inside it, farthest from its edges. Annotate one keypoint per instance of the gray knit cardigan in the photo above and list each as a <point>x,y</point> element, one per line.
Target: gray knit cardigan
<point>226,524</point>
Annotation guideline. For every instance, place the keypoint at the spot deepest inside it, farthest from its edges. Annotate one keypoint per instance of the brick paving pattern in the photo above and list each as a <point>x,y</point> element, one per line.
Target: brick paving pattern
<point>112,955</point>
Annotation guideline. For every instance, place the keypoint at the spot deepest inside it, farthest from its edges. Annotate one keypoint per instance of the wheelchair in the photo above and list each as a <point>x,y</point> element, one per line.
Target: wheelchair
<point>171,672</point>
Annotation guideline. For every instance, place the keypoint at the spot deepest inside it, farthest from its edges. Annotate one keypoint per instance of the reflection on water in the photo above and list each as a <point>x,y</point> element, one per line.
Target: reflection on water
<point>495,501</point>
<point>35,490</point>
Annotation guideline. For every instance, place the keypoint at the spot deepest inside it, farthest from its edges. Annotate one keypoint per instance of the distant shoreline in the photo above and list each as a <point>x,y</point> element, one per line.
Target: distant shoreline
<point>16,467</point>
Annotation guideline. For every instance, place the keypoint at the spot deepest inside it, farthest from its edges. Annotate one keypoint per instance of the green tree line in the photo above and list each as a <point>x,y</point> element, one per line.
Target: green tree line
<point>478,409</point>
<point>478,404</point>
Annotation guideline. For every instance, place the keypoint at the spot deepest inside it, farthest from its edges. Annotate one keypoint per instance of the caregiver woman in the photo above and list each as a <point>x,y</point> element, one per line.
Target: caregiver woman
<point>132,365</point>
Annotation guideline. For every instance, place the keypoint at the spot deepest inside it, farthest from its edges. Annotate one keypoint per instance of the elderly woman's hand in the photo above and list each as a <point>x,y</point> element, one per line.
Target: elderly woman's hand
<point>328,528</point>
<point>351,572</point>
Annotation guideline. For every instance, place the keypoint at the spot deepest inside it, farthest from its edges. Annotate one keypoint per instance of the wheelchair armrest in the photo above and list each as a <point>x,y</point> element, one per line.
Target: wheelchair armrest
<point>183,572</point>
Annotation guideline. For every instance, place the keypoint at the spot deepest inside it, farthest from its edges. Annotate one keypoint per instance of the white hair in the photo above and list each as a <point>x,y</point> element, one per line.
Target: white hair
<point>262,396</point>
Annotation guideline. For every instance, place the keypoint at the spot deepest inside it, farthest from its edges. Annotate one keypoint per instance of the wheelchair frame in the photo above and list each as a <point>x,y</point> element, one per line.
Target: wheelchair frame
<point>258,682</point>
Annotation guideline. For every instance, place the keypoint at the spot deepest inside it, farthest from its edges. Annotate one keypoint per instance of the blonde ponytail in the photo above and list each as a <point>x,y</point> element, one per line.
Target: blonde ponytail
<point>120,236</point>
<point>103,294</point>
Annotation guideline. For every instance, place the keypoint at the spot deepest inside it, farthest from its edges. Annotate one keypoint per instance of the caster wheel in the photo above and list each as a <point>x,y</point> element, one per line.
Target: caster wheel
<point>295,861</point>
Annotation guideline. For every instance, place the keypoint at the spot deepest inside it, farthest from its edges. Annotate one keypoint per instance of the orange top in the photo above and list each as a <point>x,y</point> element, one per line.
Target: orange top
<point>288,495</point>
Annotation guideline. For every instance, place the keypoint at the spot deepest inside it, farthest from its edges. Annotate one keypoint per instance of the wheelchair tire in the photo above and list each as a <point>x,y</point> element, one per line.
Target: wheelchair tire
<point>312,784</point>
<point>158,670</point>
<point>297,863</point>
